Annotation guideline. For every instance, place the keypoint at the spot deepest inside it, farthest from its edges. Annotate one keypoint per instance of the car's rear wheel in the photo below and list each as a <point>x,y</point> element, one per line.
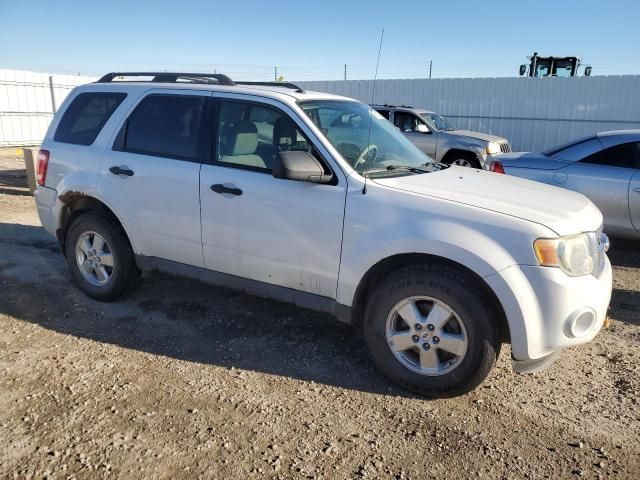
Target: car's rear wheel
<point>431,331</point>
<point>100,258</point>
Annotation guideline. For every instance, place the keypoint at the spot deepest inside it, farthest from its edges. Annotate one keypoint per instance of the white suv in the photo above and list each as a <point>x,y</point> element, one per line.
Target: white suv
<point>317,200</point>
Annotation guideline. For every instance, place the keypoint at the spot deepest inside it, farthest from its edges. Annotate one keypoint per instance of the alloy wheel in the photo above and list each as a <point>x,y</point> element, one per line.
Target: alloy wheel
<point>426,336</point>
<point>94,258</point>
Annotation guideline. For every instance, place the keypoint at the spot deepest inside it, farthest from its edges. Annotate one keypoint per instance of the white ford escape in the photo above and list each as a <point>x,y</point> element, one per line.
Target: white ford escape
<point>317,200</point>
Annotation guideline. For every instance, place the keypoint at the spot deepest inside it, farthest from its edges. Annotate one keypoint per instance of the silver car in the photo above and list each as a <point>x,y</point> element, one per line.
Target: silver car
<point>604,167</point>
<point>435,136</point>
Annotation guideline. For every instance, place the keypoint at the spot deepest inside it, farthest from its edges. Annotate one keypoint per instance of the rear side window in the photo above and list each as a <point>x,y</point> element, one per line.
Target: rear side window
<point>626,155</point>
<point>85,117</point>
<point>165,126</point>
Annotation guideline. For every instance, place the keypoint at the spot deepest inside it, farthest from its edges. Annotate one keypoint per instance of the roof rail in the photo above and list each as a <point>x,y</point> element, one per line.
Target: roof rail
<point>170,77</point>
<point>290,85</point>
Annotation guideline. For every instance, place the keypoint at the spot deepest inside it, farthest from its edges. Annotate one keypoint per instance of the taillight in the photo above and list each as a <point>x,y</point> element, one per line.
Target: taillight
<point>496,166</point>
<point>43,163</point>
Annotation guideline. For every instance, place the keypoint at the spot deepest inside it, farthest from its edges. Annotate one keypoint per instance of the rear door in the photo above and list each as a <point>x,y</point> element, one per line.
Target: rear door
<point>408,122</point>
<point>605,178</point>
<point>151,174</point>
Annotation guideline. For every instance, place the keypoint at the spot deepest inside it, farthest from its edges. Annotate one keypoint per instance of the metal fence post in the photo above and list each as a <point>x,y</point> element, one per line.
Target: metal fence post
<point>53,94</point>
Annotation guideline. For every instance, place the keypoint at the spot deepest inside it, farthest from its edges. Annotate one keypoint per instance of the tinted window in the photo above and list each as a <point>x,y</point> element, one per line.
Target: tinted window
<point>624,156</point>
<point>251,135</point>
<point>165,126</point>
<point>85,117</point>
<point>385,113</point>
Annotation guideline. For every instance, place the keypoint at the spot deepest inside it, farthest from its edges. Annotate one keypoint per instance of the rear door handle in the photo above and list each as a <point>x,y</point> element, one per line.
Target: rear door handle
<point>220,188</point>
<point>123,170</point>
<point>636,189</point>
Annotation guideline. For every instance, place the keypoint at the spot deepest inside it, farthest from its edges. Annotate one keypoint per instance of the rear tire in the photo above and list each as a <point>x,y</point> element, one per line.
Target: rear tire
<point>100,258</point>
<point>452,351</point>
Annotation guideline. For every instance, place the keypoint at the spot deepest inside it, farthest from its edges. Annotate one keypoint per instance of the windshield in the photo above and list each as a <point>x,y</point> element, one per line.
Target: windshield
<point>438,121</point>
<point>364,138</point>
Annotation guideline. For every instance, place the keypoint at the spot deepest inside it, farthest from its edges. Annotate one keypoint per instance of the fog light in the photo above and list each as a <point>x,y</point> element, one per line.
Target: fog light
<point>580,322</point>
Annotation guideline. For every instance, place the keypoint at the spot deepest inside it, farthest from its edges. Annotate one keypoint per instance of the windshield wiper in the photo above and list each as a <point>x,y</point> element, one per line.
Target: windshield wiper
<point>404,168</point>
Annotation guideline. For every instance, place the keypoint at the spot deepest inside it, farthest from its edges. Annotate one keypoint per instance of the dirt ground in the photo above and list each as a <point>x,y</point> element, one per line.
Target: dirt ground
<point>183,380</point>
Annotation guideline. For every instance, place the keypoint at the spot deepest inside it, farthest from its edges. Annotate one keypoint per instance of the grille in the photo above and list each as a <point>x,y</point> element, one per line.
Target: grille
<point>505,148</point>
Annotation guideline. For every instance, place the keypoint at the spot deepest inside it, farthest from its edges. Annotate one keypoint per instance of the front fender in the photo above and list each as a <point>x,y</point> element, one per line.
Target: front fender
<point>476,251</point>
<point>387,222</point>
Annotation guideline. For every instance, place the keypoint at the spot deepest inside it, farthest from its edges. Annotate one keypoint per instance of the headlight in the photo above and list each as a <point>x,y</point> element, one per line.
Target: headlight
<point>575,255</point>
<point>493,148</point>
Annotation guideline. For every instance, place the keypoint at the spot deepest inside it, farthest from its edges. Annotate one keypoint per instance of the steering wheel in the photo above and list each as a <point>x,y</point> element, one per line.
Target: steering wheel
<point>365,155</point>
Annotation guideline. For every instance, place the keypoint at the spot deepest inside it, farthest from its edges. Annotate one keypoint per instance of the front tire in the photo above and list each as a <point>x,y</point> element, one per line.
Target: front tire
<point>100,258</point>
<point>431,331</point>
<point>464,160</point>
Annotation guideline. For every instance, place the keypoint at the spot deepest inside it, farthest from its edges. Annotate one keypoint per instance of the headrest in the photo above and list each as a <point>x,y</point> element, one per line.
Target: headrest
<point>284,132</point>
<point>242,138</point>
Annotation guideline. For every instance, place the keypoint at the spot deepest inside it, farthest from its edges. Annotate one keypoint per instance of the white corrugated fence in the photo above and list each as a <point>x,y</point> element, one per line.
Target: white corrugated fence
<point>27,101</point>
<point>533,113</point>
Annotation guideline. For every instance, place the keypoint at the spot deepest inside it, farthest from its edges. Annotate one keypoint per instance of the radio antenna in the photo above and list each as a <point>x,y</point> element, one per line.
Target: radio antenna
<point>373,96</point>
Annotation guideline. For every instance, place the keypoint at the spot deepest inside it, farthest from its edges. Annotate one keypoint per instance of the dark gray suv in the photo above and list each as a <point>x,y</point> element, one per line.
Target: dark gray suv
<point>435,136</point>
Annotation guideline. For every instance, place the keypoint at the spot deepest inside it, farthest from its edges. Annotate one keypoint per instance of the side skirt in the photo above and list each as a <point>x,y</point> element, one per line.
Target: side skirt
<point>252,287</point>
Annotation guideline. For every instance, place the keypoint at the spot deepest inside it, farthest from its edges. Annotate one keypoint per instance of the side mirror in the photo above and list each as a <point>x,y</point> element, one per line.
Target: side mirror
<point>422,128</point>
<point>587,71</point>
<point>300,166</point>
<point>523,70</point>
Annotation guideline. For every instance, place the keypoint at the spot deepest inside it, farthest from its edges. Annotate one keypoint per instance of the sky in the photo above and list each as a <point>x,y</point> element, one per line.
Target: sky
<point>247,39</point>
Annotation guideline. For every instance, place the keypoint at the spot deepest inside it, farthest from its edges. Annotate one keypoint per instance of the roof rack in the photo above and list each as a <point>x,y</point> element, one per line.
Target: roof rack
<point>289,85</point>
<point>170,77</point>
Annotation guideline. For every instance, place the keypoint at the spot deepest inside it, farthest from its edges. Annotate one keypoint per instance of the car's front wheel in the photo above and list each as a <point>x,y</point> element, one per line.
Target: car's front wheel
<point>464,160</point>
<point>431,331</point>
<point>99,257</point>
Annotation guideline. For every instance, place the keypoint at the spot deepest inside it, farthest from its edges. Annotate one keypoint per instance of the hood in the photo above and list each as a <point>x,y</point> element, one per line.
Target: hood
<point>530,160</point>
<point>563,211</point>
<point>477,135</point>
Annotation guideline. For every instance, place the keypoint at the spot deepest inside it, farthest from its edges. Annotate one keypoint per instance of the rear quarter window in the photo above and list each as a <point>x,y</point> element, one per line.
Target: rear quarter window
<point>83,120</point>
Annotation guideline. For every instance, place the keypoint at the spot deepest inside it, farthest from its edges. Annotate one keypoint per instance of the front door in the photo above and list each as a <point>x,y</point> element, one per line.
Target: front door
<point>151,175</point>
<point>416,130</point>
<point>281,232</point>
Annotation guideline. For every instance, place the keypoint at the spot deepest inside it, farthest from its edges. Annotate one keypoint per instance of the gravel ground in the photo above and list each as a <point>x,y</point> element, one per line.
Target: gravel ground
<point>183,380</point>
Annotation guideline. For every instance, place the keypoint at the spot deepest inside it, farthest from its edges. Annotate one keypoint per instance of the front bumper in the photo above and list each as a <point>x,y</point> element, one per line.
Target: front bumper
<point>548,310</point>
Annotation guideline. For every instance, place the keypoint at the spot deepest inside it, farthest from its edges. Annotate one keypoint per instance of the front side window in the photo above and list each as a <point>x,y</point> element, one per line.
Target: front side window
<point>166,126</point>
<point>407,122</point>
<point>365,139</point>
<point>85,117</point>
<point>542,68</point>
<point>626,155</point>
<point>251,135</point>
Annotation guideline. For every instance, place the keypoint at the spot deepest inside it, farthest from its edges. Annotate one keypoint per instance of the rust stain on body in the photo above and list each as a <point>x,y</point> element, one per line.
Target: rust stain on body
<point>69,196</point>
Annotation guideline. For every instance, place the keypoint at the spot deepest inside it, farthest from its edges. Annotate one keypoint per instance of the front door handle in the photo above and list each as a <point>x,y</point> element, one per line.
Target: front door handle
<point>123,170</point>
<point>220,188</point>
<point>636,189</point>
